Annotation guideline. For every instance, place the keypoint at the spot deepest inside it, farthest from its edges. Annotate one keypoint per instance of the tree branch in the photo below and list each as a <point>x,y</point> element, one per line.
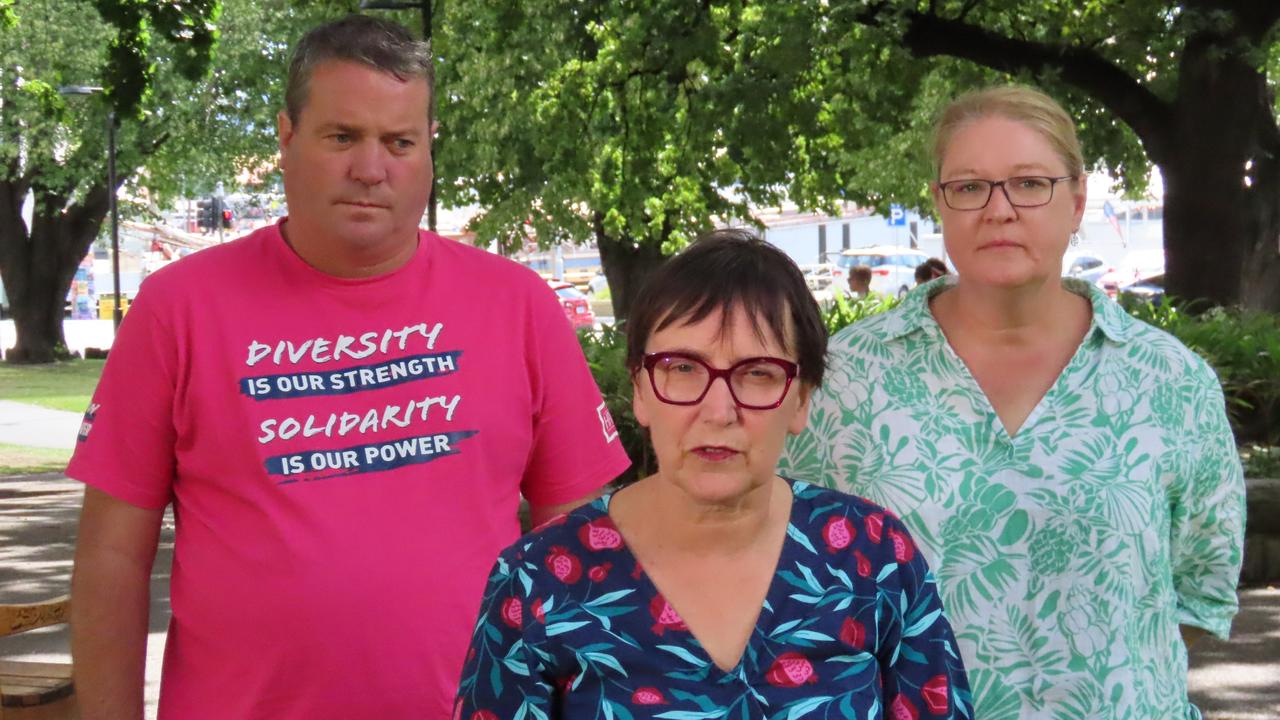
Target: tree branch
<point>1131,102</point>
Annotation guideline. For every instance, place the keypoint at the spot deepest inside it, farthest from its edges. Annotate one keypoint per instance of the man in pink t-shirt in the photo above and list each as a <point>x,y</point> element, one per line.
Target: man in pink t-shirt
<point>344,411</point>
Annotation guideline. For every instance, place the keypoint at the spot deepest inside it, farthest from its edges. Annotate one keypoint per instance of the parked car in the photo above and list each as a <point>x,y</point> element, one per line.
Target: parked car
<point>1085,267</point>
<point>1135,266</point>
<point>893,269</point>
<point>577,307</point>
<point>1148,289</point>
<point>597,284</point>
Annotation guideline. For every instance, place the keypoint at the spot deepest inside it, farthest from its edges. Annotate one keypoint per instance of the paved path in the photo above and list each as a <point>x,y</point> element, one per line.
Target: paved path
<point>1235,680</point>
<point>35,426</point>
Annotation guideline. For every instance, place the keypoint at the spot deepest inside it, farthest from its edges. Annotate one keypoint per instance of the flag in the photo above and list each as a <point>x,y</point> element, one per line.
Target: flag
<point>1110,213</point>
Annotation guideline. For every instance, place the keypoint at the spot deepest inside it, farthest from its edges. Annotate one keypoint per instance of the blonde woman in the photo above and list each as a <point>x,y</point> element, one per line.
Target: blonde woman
<point>1067,470</point>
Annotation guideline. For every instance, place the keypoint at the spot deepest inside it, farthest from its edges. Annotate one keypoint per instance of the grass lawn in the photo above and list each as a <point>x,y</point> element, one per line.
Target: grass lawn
<point>60,386</point>
<point>20,460</point>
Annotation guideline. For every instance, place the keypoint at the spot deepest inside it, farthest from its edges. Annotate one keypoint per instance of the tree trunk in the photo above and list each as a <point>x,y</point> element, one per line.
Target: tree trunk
<point>38,268</point>
<point>1222,242</point>
<point>626,266</point>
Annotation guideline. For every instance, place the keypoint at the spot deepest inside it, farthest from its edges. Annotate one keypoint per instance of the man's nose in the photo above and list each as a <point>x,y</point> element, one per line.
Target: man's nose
<point>369,163</point>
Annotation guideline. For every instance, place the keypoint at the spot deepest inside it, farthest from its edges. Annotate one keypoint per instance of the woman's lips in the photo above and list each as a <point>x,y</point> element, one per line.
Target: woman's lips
<point>1000,245</point>
<point>714,453</point>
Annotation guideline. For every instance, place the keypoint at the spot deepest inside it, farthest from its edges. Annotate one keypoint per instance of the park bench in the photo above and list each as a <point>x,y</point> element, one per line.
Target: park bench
<point>32,690</point>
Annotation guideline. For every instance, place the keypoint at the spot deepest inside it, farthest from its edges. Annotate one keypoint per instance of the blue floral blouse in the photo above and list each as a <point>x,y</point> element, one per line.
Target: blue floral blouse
<point>852,626</point>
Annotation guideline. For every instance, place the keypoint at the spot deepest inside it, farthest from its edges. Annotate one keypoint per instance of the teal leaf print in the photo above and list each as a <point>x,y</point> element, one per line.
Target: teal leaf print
<point>795,534</point>
<point>683,655</point>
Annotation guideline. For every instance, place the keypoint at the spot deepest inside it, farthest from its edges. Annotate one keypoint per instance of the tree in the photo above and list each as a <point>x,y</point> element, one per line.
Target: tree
<point>634,124</point>
<point>1188,79</point>
<point>187,115</point>
<point>630,124</point>
<point>56,149</point>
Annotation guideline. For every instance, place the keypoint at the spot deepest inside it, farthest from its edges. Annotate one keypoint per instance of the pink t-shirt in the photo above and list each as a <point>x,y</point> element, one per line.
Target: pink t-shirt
<point>345,458</point>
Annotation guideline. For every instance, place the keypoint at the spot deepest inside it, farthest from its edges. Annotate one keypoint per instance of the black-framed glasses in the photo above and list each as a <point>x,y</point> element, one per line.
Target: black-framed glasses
<point>1023,191</point>
<point>758,383</point>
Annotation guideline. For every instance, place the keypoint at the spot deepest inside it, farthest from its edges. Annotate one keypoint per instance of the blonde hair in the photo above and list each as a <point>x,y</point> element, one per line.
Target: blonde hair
<point>1018,103</point>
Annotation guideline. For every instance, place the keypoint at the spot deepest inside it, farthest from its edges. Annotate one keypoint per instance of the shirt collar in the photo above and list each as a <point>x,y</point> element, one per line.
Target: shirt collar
<point>913,312</point>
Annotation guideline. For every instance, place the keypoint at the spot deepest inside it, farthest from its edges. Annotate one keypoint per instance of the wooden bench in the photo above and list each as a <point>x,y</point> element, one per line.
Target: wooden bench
<point>31,690</point>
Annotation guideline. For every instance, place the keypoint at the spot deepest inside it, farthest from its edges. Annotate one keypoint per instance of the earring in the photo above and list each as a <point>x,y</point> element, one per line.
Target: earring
<point>1075,238</point>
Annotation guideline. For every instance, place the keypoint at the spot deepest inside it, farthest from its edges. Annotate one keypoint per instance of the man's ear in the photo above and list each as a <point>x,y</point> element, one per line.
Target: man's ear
<point>284,132</point>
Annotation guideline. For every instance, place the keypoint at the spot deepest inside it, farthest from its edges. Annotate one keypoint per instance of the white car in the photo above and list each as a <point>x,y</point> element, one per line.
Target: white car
<point>1085,267</point>
<point>893,269</point>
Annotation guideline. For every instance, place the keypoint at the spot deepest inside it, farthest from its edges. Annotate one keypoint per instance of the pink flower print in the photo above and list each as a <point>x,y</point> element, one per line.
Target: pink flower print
<point>791,670</point>
<point>512,612</point>
<point>838,533</point>
<point>902,709</point>
<point>903,548</point>
<point>600,534</point>
<point>564,565</point>
<point>935,693</point>
<point>648,696</point>
<point>853,634</point>
<point>864,565</point>
<point>600,572</point>
<point>665,617</point>
<point>875,525</point>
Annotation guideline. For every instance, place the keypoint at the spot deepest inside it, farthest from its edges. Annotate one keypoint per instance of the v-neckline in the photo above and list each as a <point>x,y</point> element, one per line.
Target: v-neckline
<point>770,596</point>
<point>1077,356</point>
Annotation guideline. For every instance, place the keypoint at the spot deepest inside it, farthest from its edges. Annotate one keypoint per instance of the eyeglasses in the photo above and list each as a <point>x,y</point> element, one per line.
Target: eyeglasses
<point>1024,191</point>
<point>758,383</point>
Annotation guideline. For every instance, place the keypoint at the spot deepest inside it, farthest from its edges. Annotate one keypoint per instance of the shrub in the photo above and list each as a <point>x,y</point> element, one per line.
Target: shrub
<point>1243,347</point>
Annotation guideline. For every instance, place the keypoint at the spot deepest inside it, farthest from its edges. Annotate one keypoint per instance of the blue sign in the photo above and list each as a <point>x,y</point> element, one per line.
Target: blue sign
<point>897,215</point>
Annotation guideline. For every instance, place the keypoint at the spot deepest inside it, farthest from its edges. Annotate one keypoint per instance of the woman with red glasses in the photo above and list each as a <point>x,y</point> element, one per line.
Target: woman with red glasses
<point>715,588</point>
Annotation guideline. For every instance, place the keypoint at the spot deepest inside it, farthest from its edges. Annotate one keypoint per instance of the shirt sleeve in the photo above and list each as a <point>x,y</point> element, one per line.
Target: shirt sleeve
<point>1207,521</point>
<point>503,675</point>
<point>920,663</point>
<point>576,449</point>
<point>126,443</point>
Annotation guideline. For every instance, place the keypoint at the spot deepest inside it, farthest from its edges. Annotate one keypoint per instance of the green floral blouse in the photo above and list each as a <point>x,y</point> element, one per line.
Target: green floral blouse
<point>1069,554</point>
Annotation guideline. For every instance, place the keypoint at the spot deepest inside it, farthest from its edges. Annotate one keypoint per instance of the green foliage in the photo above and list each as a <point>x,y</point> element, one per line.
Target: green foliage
<point>1243,347</point>
<point>606,354</point>
<point>843,312</point>
<point>1260,461</point>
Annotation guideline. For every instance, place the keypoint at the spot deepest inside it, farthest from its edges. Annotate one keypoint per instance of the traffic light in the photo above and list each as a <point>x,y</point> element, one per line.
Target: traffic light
<point>226,218</point>
<point>207,213</point>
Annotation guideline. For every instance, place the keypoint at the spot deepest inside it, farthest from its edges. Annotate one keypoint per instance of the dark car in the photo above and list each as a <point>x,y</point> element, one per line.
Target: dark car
<point>1148,289</point>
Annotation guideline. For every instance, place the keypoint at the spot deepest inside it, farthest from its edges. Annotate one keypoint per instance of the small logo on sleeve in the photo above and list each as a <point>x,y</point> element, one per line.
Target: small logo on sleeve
<point>87,424</point>
<point>606,423</point>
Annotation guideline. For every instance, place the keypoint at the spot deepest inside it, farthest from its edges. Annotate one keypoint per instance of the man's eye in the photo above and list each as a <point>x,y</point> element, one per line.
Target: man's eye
<point>969,187</point>
<point>1033,183</point>
<point>340,138</point>
<point>403,144</point>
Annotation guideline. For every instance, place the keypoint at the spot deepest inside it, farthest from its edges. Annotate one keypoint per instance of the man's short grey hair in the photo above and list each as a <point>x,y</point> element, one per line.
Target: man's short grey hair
<point>375,43</point>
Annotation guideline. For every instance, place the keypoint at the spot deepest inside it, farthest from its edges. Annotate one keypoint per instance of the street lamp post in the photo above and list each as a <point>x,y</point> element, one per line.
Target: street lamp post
<point>425,7</point>
<point>111,199</point>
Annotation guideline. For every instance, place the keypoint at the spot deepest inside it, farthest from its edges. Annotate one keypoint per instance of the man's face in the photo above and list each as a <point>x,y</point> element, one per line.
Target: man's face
<point>357,164</point>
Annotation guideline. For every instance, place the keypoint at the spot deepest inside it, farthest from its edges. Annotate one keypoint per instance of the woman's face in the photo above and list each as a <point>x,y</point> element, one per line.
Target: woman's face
<point>716,451</point>
<point>1002,245</point>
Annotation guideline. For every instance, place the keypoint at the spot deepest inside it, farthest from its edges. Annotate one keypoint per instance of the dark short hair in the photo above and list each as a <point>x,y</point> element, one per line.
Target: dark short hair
<point>731,270</point>
<point>930,269</point>
<point>861,272</point>
<point>372,42</point>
